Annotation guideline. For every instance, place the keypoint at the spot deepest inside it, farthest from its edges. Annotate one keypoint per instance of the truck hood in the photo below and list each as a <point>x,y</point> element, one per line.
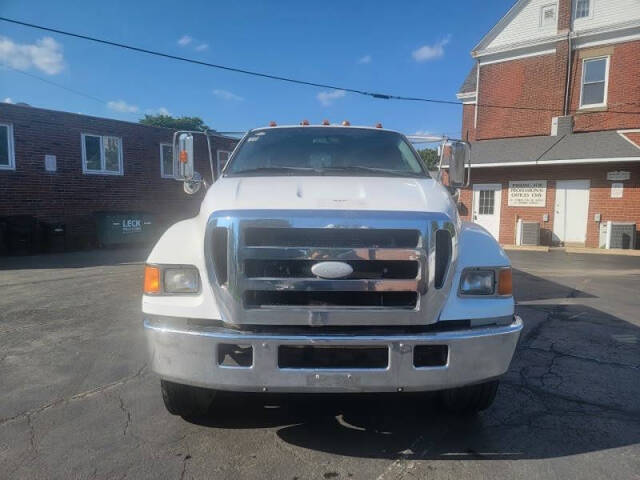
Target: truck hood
<point>327,193</point>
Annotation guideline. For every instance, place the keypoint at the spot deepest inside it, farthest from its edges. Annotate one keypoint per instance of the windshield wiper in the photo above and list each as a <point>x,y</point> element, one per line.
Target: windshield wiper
<point>363,169</point>
<point>273,170</point>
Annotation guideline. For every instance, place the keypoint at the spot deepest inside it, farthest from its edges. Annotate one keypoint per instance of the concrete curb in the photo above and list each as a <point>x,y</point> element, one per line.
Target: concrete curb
<point>527,248</point>
<point>603,251</point>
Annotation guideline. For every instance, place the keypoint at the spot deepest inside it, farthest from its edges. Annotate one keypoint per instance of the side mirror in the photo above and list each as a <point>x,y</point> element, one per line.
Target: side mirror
<point>185,156</point>
<point>459,157</point>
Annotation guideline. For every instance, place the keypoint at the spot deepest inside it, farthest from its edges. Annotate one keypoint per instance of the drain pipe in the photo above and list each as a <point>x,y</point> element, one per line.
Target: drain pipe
<point>568,76</point>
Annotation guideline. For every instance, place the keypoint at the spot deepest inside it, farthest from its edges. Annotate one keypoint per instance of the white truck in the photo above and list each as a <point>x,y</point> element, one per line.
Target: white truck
<point>327,259</point>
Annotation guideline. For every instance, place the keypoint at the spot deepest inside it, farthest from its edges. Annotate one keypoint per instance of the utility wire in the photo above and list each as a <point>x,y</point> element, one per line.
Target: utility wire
<point>383,96</point>
<point>77,92</point>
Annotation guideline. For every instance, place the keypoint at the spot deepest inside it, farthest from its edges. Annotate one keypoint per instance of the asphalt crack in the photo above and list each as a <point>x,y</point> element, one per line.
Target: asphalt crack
<point>127,413</point>
<point>77,396</point>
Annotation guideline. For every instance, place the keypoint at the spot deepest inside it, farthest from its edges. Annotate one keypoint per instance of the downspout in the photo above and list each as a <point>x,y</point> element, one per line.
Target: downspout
<point>568,76</point>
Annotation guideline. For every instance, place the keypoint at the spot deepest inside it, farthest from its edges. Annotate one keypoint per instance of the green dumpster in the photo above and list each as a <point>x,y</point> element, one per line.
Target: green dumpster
<point>120,228</point>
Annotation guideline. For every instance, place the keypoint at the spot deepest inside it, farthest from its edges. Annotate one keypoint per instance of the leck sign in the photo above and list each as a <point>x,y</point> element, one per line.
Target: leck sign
<point>527,193</point>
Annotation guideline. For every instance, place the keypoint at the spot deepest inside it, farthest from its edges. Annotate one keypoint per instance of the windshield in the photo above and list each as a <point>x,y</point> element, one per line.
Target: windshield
<point>325,151</point>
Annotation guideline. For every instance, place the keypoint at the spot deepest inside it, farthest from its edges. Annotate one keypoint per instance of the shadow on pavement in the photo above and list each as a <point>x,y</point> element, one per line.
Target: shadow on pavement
<point>529,287</point>
<point>572,388</point>
<point>83,259</point>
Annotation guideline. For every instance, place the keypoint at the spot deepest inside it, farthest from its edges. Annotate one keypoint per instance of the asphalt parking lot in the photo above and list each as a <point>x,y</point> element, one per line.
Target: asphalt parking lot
<point>78,401</point>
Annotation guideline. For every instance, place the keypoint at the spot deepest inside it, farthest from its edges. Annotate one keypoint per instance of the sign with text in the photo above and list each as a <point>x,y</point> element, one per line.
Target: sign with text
<point>527,193</point>
<point>616,190</point>
<point>618,175</point>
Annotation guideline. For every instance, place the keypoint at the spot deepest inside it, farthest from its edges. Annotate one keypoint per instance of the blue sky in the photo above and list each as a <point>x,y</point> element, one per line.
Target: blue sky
<point>415,48</point>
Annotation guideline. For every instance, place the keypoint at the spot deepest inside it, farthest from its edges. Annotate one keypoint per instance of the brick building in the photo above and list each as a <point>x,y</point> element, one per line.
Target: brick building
<point>552,108</point>
<point>61,167</point>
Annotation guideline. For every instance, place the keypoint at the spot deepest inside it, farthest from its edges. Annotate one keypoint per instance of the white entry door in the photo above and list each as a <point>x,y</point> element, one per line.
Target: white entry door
<point>486,206</point>
<point>572,210</point>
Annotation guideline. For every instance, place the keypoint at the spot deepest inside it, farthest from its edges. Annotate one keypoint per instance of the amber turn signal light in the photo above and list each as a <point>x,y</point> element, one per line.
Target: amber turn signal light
<point>151,280</point>
<point>505,282</point>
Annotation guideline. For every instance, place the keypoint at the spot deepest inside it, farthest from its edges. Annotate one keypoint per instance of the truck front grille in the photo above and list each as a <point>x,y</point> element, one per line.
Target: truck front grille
<point>260,261</point>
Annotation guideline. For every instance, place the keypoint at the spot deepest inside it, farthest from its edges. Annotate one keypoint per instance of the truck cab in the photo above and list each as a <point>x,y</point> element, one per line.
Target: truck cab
<point>327,259</point>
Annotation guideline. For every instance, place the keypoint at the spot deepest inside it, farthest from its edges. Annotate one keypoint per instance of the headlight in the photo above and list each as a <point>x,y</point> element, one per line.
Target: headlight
<point>486,281</point>
<point>477,282</point>
<point>181,280</point>
<point>171,280</point>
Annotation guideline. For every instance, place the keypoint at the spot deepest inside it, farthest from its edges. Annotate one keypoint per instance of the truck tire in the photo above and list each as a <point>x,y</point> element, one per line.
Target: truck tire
<point>470,399</point>
<point>185,400</point>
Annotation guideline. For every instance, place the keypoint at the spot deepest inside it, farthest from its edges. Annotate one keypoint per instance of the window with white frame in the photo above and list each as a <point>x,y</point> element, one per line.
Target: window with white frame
<point>101,154</point>
<point>223,157</point>
<point>583,8</point>
<point>7,156</point>
<point>595,73</point>
<point>166,161</point>
<point>548,15</point>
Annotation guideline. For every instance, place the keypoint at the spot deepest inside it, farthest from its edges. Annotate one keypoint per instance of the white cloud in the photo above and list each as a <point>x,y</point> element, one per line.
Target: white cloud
<point>429,52</point>
<point>185,40</point>
<point>157,111</point>
<point>122,106</point>
<point>226,95</point>
<point>8,100</point>
<point>327,98</point>
<point>202,47</point>
<point>44,55</point>
<point>365,59</point>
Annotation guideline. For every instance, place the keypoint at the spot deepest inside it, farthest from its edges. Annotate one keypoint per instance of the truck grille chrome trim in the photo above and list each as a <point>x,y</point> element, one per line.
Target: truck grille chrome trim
<point>393,256</point>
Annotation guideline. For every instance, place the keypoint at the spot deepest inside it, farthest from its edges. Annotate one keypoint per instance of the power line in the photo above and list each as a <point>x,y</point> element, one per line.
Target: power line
<point>382,96</point>
<point>77,92</point>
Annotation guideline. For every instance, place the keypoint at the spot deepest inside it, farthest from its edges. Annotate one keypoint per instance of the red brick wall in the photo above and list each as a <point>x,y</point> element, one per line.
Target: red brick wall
<point>468,118</point>
<point>623,92</point>
<point>68,195</point>
<point>529,82</point>
<point>539,82</point>
<point>625,209</point>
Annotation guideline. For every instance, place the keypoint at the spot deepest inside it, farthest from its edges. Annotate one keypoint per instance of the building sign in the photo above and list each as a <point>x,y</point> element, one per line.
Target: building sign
<point>618,175</point>
<point>527,193</point>
<point>616,190</point>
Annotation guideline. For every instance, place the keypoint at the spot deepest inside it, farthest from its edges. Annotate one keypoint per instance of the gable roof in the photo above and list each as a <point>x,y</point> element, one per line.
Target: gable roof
<point>497,28</point>
<point>470,82</point>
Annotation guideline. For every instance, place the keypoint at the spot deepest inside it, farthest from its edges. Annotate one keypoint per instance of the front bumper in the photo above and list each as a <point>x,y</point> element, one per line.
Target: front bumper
<point>188,354</point>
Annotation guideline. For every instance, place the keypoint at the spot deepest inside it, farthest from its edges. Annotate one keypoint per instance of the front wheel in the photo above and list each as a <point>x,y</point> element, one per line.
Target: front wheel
<point>470,399</point>
<point>185,400</point>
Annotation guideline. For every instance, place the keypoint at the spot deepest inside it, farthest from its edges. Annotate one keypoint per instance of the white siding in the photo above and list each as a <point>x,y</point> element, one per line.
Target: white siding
<point>525,25</point>
<point>607,12</point>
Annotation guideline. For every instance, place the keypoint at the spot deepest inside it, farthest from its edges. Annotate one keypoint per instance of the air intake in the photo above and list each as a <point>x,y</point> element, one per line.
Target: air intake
<point>220,241</point>
<point>443,256</point>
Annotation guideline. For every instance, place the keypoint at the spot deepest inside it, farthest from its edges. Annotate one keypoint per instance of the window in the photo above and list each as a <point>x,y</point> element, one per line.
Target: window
<point>331,151</point>
<point>223,156</point>
<point>548,16</point>
<point>101,155</point>
<point>595,72</point>
<point>7,158</point>
<point>166,161</point>
<point>486,202</point>
<point>583,8</point>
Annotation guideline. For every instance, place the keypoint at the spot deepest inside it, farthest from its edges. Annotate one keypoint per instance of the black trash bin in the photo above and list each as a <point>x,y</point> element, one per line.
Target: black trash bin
<point>54,237</point>
<point>21,234</point>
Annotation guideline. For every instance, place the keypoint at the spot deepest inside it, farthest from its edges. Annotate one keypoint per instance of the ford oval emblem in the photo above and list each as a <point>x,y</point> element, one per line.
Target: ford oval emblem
<point>332,269</point>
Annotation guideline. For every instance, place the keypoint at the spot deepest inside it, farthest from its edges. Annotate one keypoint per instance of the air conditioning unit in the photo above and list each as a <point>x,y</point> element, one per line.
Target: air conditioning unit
<point>527,233</point>
<point>618,235</point>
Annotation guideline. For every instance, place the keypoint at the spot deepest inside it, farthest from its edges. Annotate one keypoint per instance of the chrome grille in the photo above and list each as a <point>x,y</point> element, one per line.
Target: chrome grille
<point>263,273</point>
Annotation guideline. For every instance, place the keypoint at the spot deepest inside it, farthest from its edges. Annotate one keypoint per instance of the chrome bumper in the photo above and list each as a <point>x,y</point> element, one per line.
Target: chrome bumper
<point>188,354</point>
